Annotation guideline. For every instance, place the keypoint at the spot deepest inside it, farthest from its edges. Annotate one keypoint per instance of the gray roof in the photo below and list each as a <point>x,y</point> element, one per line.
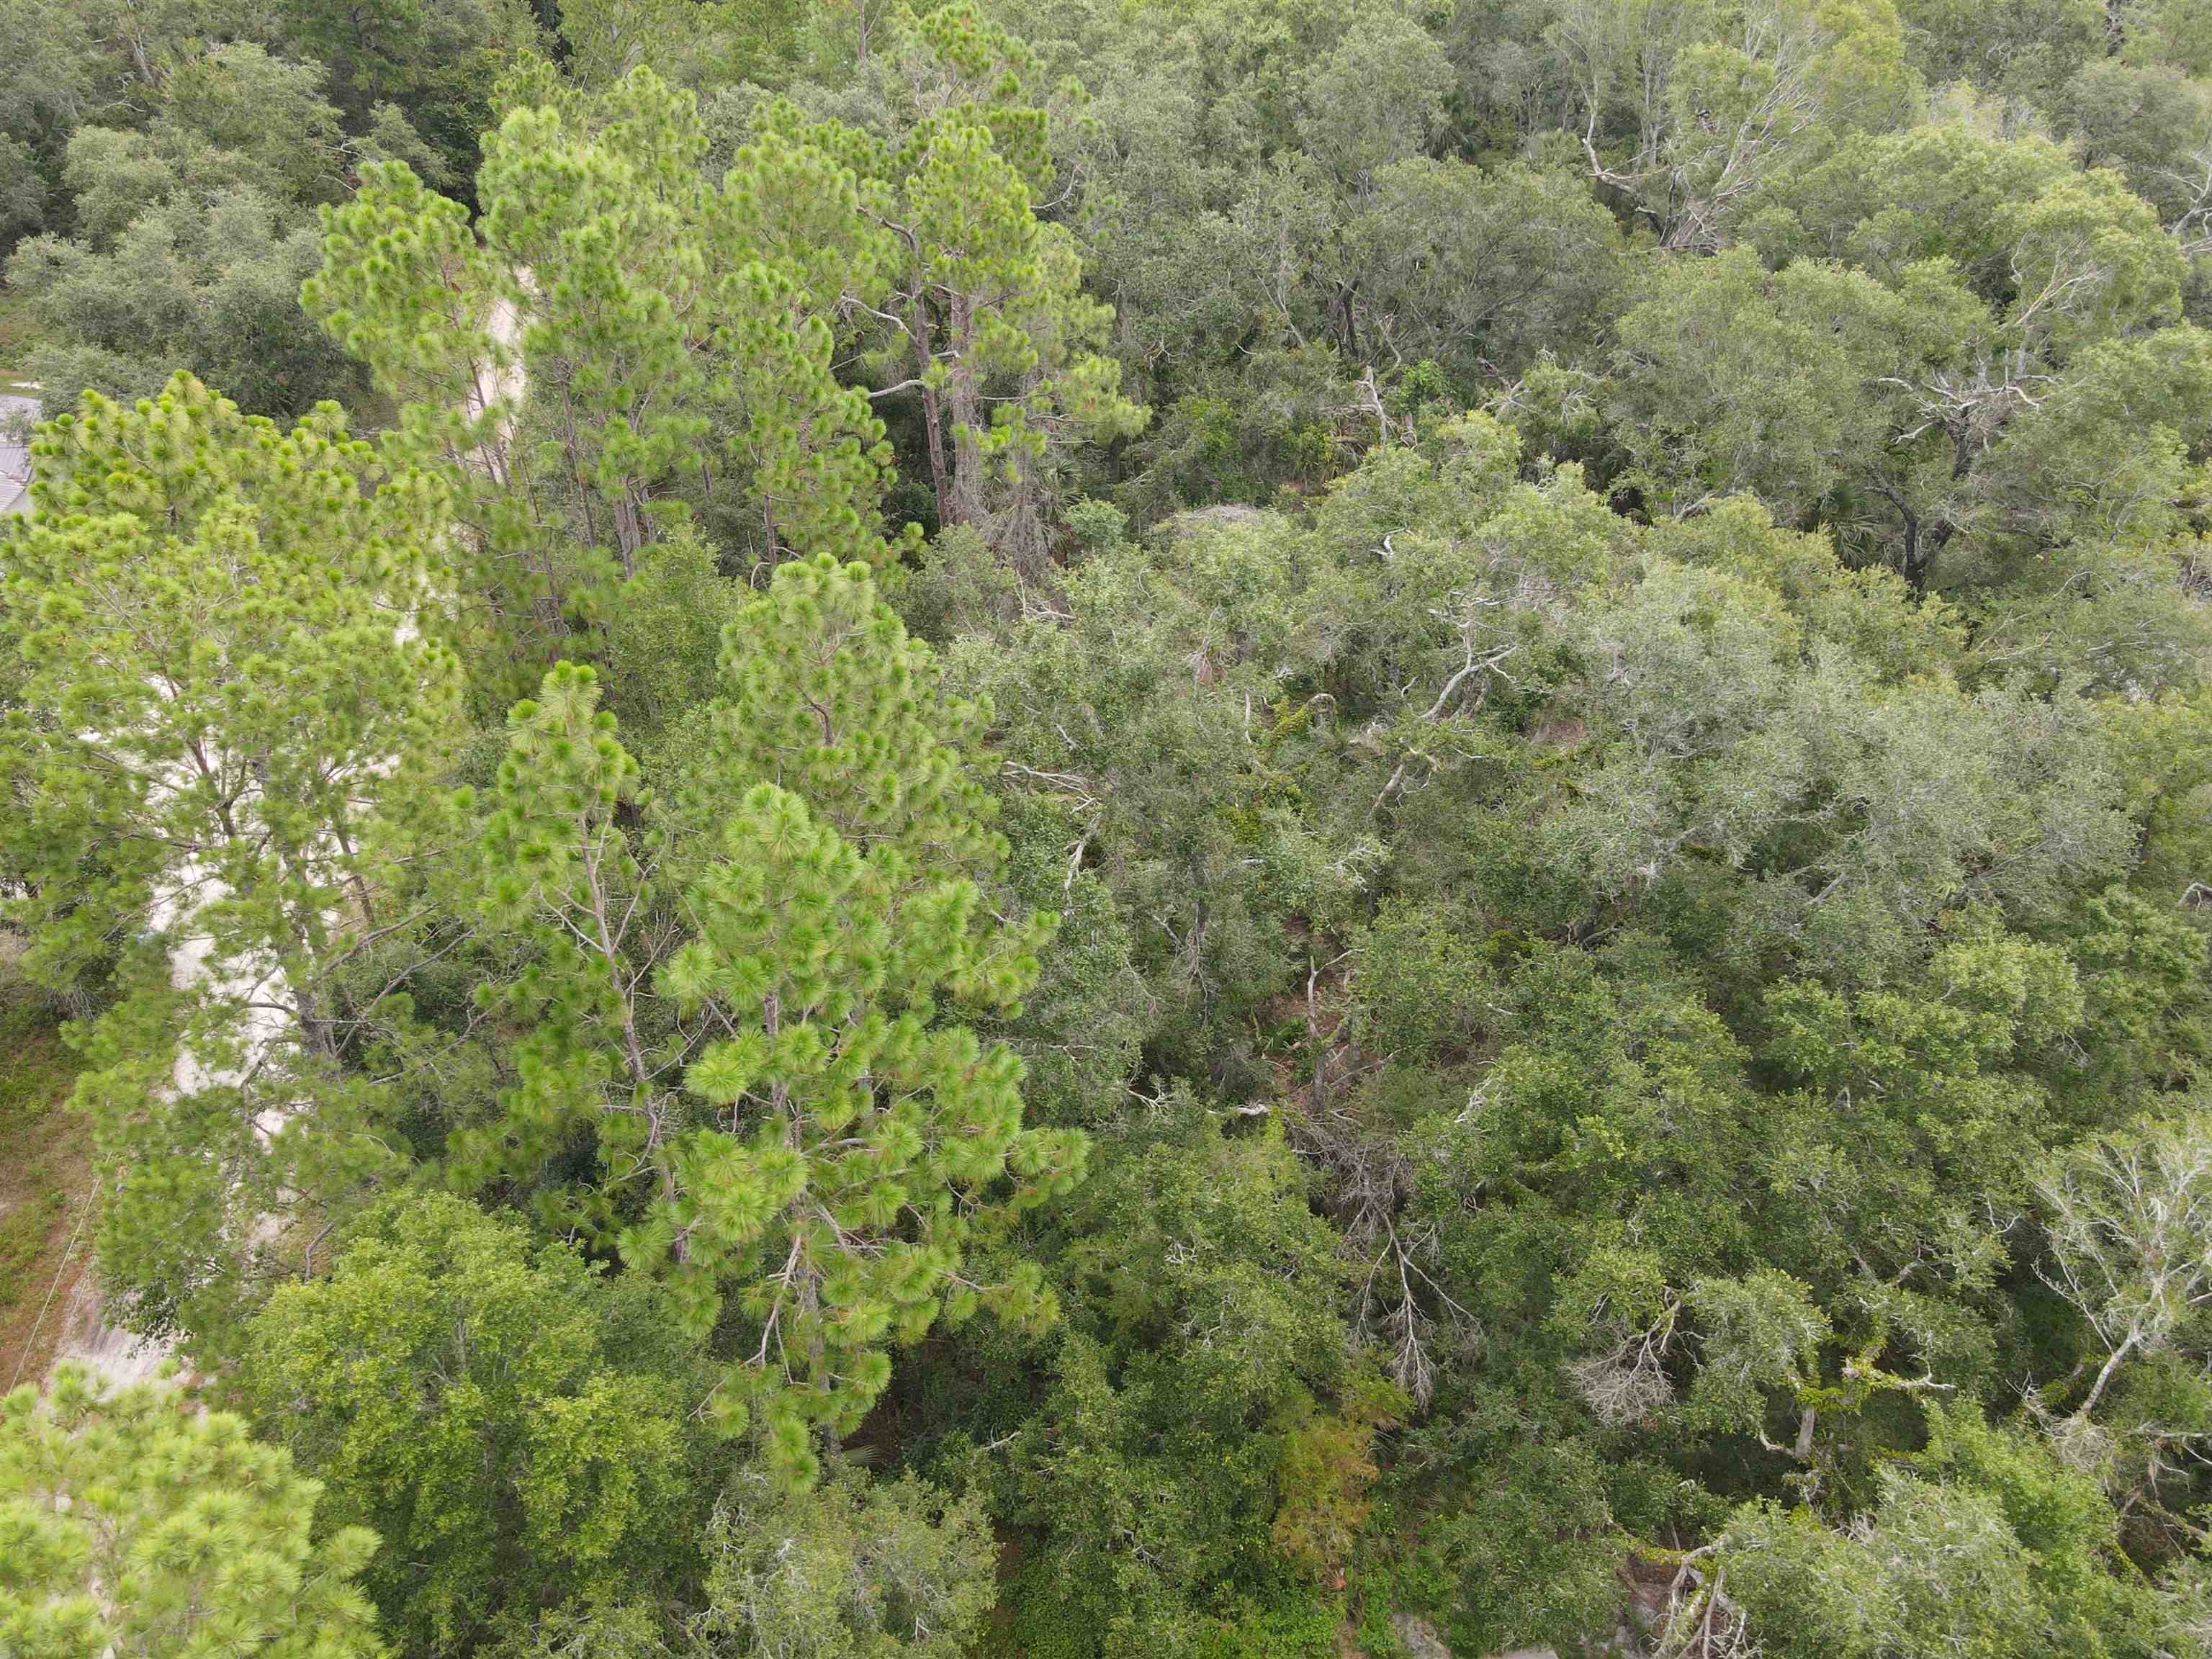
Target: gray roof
<point>14,454</point>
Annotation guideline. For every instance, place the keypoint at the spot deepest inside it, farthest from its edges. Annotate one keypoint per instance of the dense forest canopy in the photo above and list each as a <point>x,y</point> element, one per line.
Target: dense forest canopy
<point>1117,828</point>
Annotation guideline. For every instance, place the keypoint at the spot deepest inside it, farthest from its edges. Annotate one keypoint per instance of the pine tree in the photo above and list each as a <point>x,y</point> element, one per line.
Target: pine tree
<point>625,325</point>
<point>983,310</point>
<point>230,710</point>
<point>134,1526</point>
<point>753,1003</point>
<point>855,1140</point>
<point>405,286</point>
<point>827,697</point>
<point>572,854</point>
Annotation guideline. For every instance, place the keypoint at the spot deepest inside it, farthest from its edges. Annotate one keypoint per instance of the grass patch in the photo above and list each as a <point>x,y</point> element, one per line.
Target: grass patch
<point>19,333</point>
<point>46,1178</point>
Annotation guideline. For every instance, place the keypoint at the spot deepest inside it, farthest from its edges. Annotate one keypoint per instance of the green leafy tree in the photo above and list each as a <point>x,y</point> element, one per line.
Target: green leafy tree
<point>1481,270</point>
<point>608,39</point>
<point>1198,1453</point>
<point>23,192</point>
<point>1984,1543</point>
<point>203,284</point>
<point>1377,98</point>
<point>51,85</point>
<point>269,113</point>
<point>2028,48</point>
<point>509,1419</point>
<point>180,243</point>
<point>138,1526</point>
<point>1733,376</point>
<point>2024,294</point>
<point>2150,124</point>
<point>2168,32</point>
<point>2130,1218</point>
<point>433,67</point>
<point>1687,109</point>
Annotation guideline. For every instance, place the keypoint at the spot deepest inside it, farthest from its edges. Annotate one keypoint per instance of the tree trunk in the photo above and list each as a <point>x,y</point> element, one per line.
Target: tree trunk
<point>2097,1389</point>
<point>964,393</point>
<point>629,532</point>
<point>931,418</point>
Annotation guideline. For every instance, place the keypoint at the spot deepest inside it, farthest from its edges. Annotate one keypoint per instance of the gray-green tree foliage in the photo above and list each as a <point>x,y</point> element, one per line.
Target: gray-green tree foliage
<point>856,1569</point>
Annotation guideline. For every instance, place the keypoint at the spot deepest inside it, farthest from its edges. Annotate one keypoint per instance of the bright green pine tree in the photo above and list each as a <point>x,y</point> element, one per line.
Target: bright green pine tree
<point>984,314</point>
<point>405,286</point>
<point>617,325</point>
<point>665,312</point>
<point>229,720</point>
<point>217,622</point>
<point>828,696</point>
<point>789,232</point>
<point>631,345</point>
<point>134,1526</point>
<point>571,867</point>
<point>793,1120</point>
<point>856,1141</point>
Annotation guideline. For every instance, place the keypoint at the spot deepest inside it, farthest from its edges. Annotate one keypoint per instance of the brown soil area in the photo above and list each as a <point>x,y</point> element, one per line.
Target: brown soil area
<point>46,1184</point>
